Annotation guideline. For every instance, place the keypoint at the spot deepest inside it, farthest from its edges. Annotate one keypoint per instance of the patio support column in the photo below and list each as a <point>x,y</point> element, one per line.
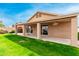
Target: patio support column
<point>15,29</point>
<point>74,37</point>
<point>38,30</point>
<point>24,30</point>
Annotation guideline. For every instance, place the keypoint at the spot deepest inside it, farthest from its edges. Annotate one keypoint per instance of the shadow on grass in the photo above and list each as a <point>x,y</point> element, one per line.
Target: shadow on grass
<point>44,48</point>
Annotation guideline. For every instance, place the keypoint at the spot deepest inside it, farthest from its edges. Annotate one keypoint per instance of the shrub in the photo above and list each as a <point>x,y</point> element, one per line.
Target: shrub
<point>13,31</point>
<point>3,31</point>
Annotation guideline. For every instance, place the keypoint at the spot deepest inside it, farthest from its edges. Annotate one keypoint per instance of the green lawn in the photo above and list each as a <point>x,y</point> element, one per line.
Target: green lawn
<point>14,45</point>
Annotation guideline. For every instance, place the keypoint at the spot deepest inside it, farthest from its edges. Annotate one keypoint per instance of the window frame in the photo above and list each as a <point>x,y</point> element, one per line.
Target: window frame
<point>20,30</point>
<point>29,29</point>
<point>44,26</point>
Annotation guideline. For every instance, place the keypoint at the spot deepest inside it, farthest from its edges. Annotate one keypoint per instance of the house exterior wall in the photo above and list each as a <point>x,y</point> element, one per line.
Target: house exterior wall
<point>66,29</point>
<point>34,27</point>
<point>62,30</point>
<point>34,30</point>
<point>78,21</point>
<point>74,31</point>
<point>22,26</point>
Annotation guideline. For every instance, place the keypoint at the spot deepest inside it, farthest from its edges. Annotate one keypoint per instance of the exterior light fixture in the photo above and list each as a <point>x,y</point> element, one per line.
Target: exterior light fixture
<point>55,24</point>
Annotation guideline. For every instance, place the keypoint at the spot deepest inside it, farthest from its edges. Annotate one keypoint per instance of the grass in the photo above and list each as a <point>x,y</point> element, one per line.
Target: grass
<point>14,45</point>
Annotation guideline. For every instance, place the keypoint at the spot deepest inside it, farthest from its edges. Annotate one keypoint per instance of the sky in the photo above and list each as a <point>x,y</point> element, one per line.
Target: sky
<point>11,13</point>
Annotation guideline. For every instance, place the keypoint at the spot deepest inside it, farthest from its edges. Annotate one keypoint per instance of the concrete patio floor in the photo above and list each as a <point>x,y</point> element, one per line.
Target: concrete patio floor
<point>52,39</point>
<point>58,40</point>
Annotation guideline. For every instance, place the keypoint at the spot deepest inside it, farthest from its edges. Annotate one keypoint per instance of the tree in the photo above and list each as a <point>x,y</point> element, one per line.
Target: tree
<point>1,24</point>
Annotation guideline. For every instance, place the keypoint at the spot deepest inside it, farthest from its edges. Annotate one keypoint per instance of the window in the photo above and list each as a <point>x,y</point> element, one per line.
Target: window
<point>20,30</point>
<point>44,29</point>
<point>29,29</point>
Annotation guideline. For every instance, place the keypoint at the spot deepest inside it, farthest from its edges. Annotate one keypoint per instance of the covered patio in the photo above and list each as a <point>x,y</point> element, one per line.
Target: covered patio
<point>59,29</point>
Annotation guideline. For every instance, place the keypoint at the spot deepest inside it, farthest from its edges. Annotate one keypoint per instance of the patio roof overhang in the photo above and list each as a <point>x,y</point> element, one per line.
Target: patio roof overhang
<point>64,18</point>
<point>20,24</point>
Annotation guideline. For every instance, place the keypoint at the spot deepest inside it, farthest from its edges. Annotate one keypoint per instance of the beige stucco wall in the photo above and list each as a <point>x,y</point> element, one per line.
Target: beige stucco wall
<point>66,28</point>
<point>34,27</point>
<point>20,25</point>
<point>74,33</point>
<point>62,30</point>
